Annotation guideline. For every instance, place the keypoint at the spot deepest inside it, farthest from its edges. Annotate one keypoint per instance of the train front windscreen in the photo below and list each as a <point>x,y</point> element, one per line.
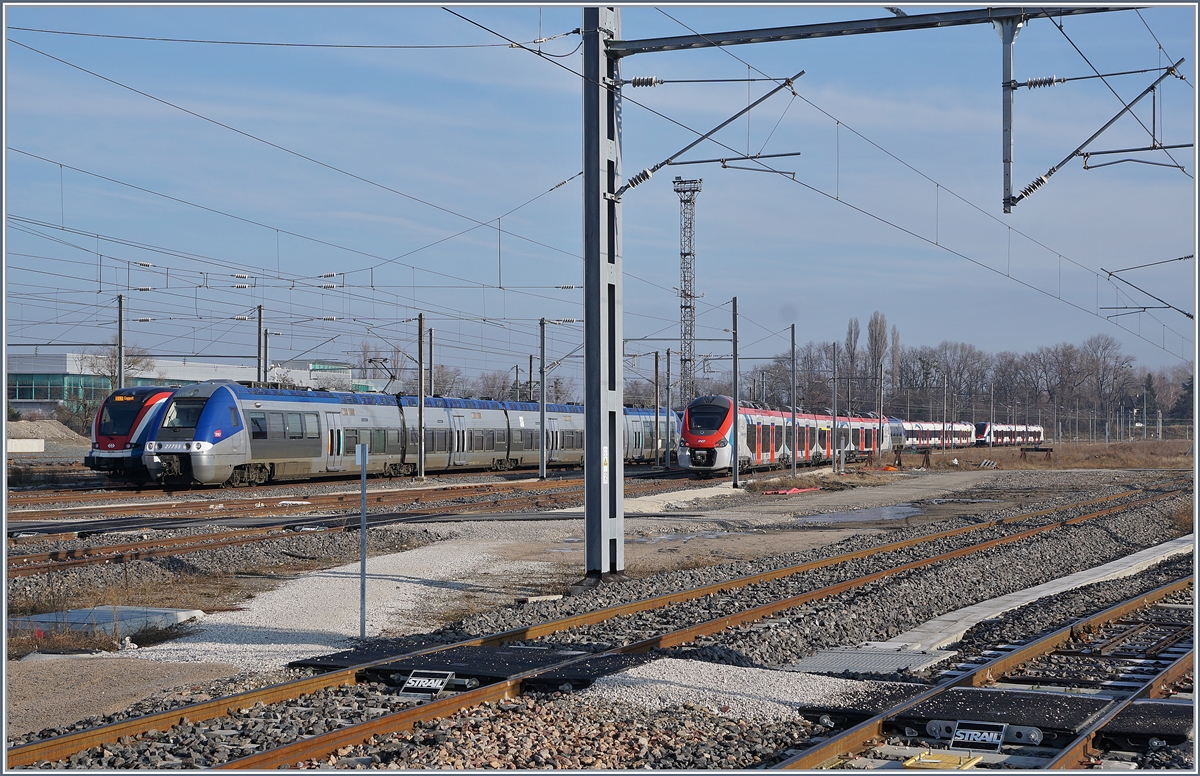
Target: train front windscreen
<point>706,418</point>
<point>118,414</point>
<point>180,419</point>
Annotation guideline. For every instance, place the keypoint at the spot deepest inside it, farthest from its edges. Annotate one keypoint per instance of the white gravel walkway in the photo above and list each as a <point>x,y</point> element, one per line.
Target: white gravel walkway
<point>319,613</point>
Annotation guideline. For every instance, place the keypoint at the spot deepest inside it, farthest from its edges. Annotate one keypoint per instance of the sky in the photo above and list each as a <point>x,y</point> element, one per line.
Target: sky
<point>347,189</point>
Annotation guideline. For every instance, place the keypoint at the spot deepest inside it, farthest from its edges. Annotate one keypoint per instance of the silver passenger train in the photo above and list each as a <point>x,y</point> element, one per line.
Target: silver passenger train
<point>222,432</point>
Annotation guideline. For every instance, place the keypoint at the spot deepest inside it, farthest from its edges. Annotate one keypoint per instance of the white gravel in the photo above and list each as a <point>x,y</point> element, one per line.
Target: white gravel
<point>732,691</point>
<point>407,592</point>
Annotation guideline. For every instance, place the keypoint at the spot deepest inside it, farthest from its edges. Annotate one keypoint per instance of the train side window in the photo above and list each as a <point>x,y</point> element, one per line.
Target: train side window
<point>295,426</point>
<point>351,439</point>
<point>393,440</point>
<point>502,437</point>
<point>442,439</point>
<point>312,426</point>
<point>275,427</point>
<point>258,424</point>
<point>489,440</point>
<point>233,418</point>
<point>476,440</point>
<point>377,440</point>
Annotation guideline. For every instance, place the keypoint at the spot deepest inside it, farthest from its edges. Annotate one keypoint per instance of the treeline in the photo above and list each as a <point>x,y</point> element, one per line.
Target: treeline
<point>1083,384</point>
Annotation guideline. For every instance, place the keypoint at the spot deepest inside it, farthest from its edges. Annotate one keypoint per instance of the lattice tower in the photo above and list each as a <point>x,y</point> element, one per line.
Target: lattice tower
<point>687,191</point>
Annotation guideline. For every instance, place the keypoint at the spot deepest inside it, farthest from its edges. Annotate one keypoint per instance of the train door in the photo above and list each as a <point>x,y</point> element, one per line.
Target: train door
<point>334,443</point>
<point>458,443</point>
<point>551,434</point>
<point>757,443</point>
<point>772,442</point>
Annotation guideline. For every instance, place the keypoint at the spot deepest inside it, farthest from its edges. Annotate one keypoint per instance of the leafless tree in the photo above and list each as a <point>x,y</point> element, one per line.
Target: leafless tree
<point>103,362</point>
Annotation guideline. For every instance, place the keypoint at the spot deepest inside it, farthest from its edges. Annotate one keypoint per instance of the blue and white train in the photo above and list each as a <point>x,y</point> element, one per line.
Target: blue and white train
<point>221,432</point>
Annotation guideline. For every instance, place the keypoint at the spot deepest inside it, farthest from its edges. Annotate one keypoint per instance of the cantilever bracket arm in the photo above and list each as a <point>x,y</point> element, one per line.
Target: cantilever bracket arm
<point>645,174</point>
<point>1040,181</point>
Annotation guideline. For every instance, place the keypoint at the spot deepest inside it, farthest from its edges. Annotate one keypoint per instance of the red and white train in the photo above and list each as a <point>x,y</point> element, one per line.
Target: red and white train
<point>765,436</point>
<point>997,434</point>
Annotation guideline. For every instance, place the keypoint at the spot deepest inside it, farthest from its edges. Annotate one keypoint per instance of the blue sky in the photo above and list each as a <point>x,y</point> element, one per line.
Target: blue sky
<point>899,136</point>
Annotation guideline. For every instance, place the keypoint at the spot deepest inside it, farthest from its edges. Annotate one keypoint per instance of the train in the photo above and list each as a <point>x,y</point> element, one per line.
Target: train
<point>997,434</point>
<point>764,436</point>
<point>121,428</point>
<point>222,432</point>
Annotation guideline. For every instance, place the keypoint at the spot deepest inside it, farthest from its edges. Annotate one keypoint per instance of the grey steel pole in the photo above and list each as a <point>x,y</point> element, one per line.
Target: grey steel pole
<point>120,340</point>
<point>833,440</point>
<point>945,391</point>
<point>262,372</point>
<point>362,547</point>
<point>604,512</point>
<point>795,431</point>
<point>529,391</point>
<point>1008,35</point>
<point>657,407</point>
<point>670,414</point>
<point>266,355</point>
<point>1145,416</point>
<point>542,404</point>
<point>421,395</point>
<point>992,432</point>
<point>736,414</point>
<point>432,392</point>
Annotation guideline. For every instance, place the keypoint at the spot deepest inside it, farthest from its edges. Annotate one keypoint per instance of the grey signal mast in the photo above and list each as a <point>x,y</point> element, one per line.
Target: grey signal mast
<point>687,191</point>
<point>603,304</point>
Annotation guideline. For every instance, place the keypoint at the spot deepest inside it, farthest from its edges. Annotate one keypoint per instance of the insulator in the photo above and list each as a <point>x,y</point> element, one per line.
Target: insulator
<point>241,276</point>
<point>144,320</point>
<point>639,179</point>
<point>328,285</point>
<point>240,285</point>
<point>1038,83</point>
<point>241,317</point>
<point>566,288</point>
<point>1037,183</point>
<point>329,275</point>
<point>644,80</point>
<point>330,318</point>
<point>143,264</point>
<point>144,288</point>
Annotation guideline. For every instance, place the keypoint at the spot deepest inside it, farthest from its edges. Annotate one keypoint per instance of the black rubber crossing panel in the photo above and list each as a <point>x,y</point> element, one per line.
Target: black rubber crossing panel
<point>1167,720</point>
<point>1047,711</point>
<point>485,664</point>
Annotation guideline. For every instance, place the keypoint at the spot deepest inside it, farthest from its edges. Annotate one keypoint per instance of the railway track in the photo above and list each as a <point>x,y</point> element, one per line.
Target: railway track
<point>425,504</point>
<point>390,714</point>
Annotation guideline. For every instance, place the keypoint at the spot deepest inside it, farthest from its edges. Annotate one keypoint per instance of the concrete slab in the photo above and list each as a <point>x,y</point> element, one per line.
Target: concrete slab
<point>113,620</point>
<point>949,628</point>
<point>26,445</point>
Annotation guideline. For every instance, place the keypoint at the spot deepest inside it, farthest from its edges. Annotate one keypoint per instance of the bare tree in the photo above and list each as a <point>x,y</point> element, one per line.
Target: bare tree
<point>897,356</point>
<point>492,385</point>
<point>103,362</point>
<point>850,356</point>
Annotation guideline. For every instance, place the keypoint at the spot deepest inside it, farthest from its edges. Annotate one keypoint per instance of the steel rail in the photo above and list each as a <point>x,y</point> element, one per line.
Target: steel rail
<point>58,560</point>
<point>849,743</point>
<point>63,746</point>
<point>1082,752</point>
<point>321,745</point>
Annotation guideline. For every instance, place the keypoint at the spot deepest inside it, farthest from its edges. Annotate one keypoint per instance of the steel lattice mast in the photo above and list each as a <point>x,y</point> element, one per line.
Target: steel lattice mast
<point>687,191</point>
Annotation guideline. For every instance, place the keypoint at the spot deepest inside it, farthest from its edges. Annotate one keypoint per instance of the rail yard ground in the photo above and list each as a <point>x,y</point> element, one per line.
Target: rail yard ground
<point>272,604</point>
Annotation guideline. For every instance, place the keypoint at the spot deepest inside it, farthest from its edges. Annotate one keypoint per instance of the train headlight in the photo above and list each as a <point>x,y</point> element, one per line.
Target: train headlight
<point>722,443</point>
<point>128,446</point>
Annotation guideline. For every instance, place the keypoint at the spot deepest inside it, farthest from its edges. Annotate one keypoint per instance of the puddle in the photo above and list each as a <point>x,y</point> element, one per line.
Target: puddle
<point>893,512</point>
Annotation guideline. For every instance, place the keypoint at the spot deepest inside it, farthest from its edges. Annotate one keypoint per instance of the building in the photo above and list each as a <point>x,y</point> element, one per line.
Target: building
<point>45,382</point>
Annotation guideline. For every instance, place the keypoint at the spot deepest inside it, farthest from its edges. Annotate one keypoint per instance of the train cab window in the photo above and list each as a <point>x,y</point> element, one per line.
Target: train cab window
<point>233,418</point>
<point>312,426</point>
<point>183,413</point>
<point>258,424</point>
<point>295,426</point>
<point>275,427</point>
